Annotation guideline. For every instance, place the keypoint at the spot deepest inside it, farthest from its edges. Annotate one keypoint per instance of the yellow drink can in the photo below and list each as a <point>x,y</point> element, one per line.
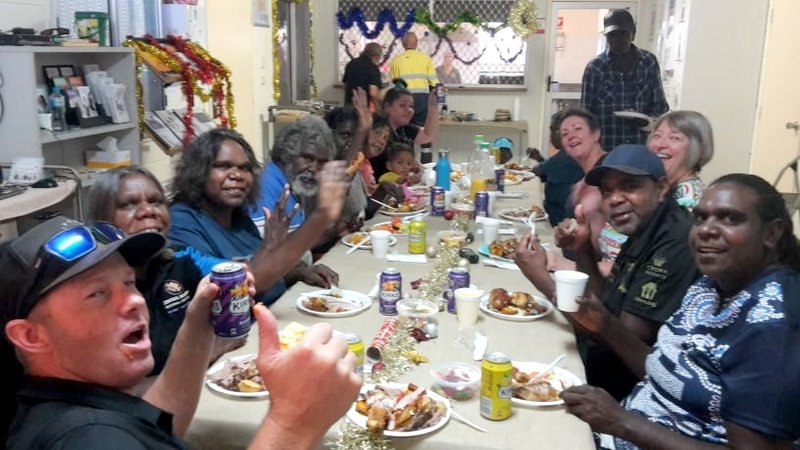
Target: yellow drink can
<point>356,346</point>
<point>417,237</point>
<point>496,387</point>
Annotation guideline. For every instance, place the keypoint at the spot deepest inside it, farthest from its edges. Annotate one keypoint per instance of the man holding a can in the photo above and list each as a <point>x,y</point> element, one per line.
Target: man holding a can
<point>72,315</point>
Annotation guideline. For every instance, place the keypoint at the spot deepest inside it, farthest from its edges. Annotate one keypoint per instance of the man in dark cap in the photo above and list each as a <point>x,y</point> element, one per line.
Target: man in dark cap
<point>71,312</point>
<point>622,86</point>
<point>652,272</point>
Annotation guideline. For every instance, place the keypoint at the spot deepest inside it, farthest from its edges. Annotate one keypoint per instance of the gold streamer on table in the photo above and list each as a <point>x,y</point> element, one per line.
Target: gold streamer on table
<point>436,281</point>
<point>522,18</point>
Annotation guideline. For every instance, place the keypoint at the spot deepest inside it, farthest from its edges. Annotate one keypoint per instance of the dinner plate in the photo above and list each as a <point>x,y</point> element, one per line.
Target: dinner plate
<point>386,212</point>
<point>518,179</point>
<point>506,213</point>
<point>365,302</point>
<point>361,420</point>
<point>387,225</point>
<point>484,250</point>
<point>565,375</point>
<point>516,318</point>
<point>525,174</point>
<point>217,388</point>
<point>633,115</point>
<point>368,246</point>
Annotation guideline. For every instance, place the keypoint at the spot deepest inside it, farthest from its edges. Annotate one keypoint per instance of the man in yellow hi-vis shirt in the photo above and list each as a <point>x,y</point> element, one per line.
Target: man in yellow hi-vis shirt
<point>417,70</point>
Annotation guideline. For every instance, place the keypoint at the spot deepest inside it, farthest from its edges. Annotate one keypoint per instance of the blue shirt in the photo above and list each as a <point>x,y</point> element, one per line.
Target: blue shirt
<point>559,172</point>
<point>606,90</point>
<point>731,359</point>
<point>194,228</point>
<point>273,181</point>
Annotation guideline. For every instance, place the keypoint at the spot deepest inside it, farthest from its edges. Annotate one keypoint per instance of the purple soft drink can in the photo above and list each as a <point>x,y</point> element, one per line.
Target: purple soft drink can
<point>481,204</point>
<point>441,94</point>
<point>437,201</point>
<point>500,179</point>
<point>230,311</point>
<point>390,291</point>
<point>459,278</point>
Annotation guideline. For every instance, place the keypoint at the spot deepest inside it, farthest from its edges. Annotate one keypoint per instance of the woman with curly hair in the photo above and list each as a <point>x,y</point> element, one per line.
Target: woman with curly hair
<point>216,181</point>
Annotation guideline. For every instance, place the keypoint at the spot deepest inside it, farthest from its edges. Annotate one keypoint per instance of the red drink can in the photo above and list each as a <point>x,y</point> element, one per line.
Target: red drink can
<point>230,311</point>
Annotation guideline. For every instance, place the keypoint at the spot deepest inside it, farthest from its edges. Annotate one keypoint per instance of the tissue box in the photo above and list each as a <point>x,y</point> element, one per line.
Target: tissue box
<point>100,159</point>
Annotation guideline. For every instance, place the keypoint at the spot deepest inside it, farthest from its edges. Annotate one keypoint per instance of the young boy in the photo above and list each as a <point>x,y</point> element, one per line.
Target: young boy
<point>399,162</point>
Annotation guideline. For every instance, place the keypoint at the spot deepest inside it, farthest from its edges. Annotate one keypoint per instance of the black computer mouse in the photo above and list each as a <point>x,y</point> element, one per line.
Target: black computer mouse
<point>45,183</point>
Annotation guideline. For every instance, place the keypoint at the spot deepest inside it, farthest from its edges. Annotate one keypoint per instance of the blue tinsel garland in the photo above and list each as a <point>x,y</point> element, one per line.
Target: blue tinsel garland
<point>356,16</point>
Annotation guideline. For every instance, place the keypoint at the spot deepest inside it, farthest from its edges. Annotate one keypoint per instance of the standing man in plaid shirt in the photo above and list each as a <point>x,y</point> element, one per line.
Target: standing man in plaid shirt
<point>623,78</point>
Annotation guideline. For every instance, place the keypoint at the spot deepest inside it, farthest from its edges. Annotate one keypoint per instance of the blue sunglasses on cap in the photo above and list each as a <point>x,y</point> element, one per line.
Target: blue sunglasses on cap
<point>77,242</point>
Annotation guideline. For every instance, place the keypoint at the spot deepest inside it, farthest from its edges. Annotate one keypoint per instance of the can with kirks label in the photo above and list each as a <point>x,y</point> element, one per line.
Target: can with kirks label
<point>496,386</point>
<point>390,291</point>
<point>230,311</point>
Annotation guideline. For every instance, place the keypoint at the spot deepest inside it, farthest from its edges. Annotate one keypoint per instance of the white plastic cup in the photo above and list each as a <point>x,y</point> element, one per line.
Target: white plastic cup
<point>492,198</point>
<point>468,302</point>
<point>569,284</point>
<point>490,228</point>
<point>448,199</point>
<point>380,242</point>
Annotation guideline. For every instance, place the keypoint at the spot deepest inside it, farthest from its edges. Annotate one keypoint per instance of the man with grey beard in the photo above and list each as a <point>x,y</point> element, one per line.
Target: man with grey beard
<point>299,151</point>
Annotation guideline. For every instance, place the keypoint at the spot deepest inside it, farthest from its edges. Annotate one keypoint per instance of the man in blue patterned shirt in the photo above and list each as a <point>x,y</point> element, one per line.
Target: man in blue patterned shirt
<point>623,78</point>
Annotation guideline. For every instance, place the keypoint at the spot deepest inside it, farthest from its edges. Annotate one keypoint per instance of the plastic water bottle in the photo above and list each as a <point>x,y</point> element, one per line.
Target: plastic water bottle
<point>443,170</point>
<point>59,109</point>
<point>475,157</point>
<point>482,171</point>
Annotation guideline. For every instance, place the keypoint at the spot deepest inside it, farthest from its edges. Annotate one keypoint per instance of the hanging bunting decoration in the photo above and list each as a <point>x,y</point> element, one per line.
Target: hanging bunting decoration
<point>522,18</point>
<point>356,17</point>
<point>424,18</point>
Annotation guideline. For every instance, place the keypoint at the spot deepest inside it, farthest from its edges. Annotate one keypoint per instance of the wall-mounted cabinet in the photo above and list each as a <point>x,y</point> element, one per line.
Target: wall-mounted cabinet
<point>20,135</point>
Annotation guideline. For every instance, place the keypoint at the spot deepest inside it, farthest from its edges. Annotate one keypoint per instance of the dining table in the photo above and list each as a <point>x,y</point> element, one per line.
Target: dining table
<point>225,421</point>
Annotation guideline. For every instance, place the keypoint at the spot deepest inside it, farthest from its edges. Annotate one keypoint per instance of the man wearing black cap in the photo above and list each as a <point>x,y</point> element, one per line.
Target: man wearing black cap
<point>624,79</point>
<point>652,272</point>
<point>79,328</point>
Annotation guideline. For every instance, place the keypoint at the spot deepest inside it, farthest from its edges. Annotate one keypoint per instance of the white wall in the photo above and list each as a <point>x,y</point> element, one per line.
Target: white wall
<point>721,76</point>
<point>25,13</point>
<point>580,44</point>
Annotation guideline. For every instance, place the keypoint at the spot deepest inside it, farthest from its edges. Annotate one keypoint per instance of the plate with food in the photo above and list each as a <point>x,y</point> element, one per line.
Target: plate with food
<point>525,174</point>
<point>516,166</point>
<point>354,239</point>
<point>512,179</point>
<point>543,392</point>
<point>515,306</point>
<point>405,209</point>
<point>333,302</point>
<point>394,226</point>
<point>399,410</point>
<point>501,249</point>
<point>237,377</point>
<point>522,214</point>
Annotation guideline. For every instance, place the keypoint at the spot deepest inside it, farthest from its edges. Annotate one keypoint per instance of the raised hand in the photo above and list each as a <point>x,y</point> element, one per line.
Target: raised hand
<point>531,258</point>
<point>592,315</point>
<point>361,105</point>
<point>574,233</point>
<point>276,227</point>
<point>333,186</point>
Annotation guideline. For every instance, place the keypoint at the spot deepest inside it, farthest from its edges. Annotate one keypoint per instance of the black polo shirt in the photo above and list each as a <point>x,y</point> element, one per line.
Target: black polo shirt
<point>168,284</point>
<point>360,72</point>
<point>66,414</point>
<point>649,279</point>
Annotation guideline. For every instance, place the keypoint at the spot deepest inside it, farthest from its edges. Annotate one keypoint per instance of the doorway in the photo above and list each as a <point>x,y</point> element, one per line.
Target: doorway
<point>575,37</point>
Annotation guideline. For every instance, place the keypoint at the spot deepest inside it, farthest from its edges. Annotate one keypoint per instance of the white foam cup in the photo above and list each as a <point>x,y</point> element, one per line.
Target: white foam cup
<point>468,302</point>
<point>490,228</point>
<point>569,284</point>
<point>380,242</point>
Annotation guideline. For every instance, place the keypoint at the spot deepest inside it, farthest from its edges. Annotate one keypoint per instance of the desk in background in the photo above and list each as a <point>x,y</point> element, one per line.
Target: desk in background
<point>29,202</point>
<point>457,136</point>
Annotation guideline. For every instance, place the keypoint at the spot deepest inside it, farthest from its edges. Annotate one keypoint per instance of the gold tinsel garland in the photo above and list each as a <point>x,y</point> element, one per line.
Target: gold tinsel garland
<point>220,82</point>
<point>437,280</point>
<point>276,60</point>
<point>522,18</point>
